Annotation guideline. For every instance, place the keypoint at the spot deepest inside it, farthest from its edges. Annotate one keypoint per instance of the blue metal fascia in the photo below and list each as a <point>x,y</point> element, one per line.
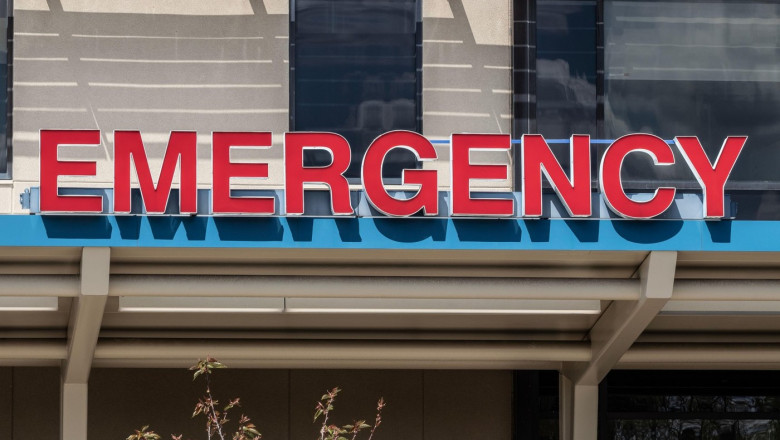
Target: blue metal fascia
<point>388,233</point>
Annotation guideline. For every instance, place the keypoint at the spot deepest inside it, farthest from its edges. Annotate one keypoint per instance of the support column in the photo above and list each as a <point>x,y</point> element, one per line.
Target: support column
<point>612,335</point>
<point>585,412</point>
<point>85,319</point>
<point>565,407</point>
<point>73,411</point>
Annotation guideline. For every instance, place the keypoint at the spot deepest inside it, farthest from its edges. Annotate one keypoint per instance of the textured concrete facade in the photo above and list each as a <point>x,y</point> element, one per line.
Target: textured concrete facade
<point>186,65</point>
<point>142,66</point>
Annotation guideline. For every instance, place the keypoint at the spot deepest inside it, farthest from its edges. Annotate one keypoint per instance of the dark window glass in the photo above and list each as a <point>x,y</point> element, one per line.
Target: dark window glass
<point>6,32</point>
<point>709,69</point>
<point>523,67</point>
<point>355,72</point>
<point>536,405</point>
<point>686,405</point>
<point>565,68</point>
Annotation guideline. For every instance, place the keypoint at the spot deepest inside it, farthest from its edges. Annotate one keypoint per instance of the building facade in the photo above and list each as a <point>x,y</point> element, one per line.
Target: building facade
<point>478,326</point>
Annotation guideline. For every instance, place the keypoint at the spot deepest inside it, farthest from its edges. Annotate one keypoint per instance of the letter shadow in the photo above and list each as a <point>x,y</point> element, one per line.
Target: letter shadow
<point>720,231</point>
<point>129,226</point>
<point>195,227</point>
<point>538,230</point>
<point>249,228</point>
<point>493,230</point>
<point>349,229</point>
<point>647,232</point>
<point>301,228</point>
<point>164,228</point>
<point>412,230</point>
<point>77,227</point>
<point>586,231</point>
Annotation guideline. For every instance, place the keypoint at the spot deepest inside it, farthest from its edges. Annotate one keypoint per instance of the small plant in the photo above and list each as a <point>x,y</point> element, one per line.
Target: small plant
<point>217,419</point>
<point>208,407</point>
<point>144,434</point>
<point>334,432</point>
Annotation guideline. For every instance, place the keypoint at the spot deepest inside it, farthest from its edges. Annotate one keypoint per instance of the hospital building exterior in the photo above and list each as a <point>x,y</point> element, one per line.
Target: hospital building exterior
<point>511,219</point>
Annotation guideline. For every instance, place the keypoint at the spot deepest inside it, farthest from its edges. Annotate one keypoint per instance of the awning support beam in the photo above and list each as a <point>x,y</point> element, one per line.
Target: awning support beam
<point>611,337</point>
<point>83,331</point>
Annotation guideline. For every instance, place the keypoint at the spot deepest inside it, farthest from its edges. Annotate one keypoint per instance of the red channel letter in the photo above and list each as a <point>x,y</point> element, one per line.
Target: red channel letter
<point>538,158</point>
<point>612,186</point>
<point>182,148</point>
<point>712,178</point>
<point>427,197</point>
<point>52,168</point>
<point>223,170</point>
<point>295,174</point>
<point>463,171</point>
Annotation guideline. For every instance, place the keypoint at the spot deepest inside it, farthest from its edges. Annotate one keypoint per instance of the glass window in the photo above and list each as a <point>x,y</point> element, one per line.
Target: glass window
<point>355,71</point>
<point>565,68</point>
<point>704,68</point>
<point>536,405</point>
<point>556,82</point>
<point>688,405</point>
<point>523,67</point>
<point>6,29</point>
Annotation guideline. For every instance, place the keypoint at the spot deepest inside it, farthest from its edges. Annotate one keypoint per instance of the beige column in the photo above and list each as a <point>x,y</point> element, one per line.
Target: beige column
<point>73,411</point>
<point>84,328</point>
<point>585,414</point>
<point>565,407</point>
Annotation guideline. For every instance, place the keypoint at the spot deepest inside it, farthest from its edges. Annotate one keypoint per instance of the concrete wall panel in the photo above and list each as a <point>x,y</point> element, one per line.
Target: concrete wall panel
<point>36,404</point>
<point>122,400</point>
<point>468,405</point>
<point>467,76</point>
<point>401,389</point>
<point>142,65</point>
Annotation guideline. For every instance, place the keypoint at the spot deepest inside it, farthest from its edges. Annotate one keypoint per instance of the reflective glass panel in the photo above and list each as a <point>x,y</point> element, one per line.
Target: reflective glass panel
<point>695,429</point>
<point>691,405</point>
<point>355,73</point>
<point>536,405</point>
<point>565,68</point>
<point>5,26</point>
<point>704,68</point>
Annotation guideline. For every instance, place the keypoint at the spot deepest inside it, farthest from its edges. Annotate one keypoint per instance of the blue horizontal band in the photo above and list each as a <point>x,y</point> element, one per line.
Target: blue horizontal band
<point>388,233</point>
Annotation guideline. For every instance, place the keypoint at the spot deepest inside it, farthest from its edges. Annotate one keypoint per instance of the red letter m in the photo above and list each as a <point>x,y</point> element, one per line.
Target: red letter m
<point>182,148</point>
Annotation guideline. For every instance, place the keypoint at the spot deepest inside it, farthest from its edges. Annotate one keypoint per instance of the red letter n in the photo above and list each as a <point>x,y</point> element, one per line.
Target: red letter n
<point>538,158</point>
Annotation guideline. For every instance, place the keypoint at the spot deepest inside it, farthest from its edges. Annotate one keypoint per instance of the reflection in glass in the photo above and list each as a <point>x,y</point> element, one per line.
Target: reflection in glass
<point>685,405</point>
<point>670,403</point>
<point>694,429</point>
<point>355,73</point>
<point>536,405</point>
<point>565,68</point>
<point>709,69</point>
<point>5,25</point>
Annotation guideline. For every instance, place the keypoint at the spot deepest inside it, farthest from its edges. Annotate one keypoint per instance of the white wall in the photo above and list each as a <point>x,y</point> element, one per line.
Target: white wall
<point>150,66</point>
<point>188,65</point>
<point>467,75</point>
